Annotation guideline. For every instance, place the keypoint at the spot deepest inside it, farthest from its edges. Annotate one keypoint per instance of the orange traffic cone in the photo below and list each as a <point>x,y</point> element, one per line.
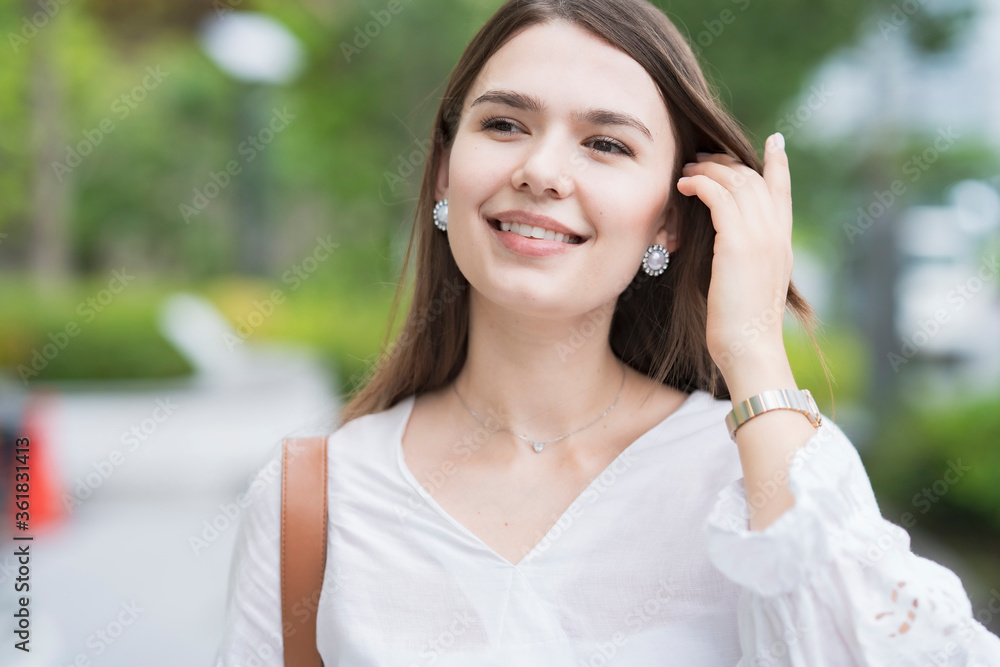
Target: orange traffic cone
<point>44,510</point>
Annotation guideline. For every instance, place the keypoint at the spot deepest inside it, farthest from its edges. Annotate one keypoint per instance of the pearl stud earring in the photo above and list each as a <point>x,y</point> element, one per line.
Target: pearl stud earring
<point>441,215</point>
<point>655,261</point>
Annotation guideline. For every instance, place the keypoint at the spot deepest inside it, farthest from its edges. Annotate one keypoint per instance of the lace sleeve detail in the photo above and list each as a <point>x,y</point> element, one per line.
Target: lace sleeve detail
<point>832,582</point>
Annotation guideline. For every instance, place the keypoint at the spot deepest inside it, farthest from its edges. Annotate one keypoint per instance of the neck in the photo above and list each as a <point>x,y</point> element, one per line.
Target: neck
<point>540,377</point>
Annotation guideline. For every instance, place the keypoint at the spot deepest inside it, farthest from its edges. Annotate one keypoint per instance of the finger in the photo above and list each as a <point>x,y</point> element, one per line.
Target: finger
<point>721,158</point>
<point>718,199</point>
<point>740,167</point>
<point>727,160</point>
<point>747,189</point>
<point>778,178</point>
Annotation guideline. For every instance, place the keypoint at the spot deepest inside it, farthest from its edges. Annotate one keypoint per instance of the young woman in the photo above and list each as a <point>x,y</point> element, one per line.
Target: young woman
<point>541,470</point>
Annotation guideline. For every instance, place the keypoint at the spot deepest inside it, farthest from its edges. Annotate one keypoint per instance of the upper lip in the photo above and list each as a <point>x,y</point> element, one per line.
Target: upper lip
<point>535,220</point>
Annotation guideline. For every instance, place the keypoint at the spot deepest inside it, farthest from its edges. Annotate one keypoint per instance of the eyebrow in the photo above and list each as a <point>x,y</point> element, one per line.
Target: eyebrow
<point>534,105</point>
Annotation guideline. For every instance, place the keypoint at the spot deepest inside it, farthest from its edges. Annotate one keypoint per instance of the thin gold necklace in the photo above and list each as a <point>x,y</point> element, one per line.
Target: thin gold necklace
<point>539,444</point>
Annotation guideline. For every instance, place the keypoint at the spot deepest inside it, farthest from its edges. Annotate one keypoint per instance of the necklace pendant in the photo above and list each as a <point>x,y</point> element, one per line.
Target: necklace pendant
<point>537,445</point>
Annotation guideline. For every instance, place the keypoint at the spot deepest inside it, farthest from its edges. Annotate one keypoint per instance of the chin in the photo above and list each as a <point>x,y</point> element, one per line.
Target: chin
<point>523,297</point>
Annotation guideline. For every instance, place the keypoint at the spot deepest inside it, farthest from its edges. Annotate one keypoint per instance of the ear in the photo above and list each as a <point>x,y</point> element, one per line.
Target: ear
<point>666,234</point>
<point>441,178</point>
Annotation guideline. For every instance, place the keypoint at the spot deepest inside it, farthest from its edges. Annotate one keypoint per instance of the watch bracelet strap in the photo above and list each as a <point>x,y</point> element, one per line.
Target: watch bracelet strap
<point>800,400</point>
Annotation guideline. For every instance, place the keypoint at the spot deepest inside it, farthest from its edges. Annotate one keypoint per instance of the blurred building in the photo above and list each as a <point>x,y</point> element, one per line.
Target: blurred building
<point>923,278</point>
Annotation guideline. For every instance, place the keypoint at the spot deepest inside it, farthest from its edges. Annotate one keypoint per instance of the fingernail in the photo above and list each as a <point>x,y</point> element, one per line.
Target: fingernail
<point>690,164</point>
<point>778,140</point>
<point>702,154</point>
<point>684,178</point>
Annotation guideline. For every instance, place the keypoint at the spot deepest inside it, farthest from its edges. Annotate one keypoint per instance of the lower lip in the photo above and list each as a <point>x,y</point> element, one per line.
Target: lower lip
<point>530,247</point>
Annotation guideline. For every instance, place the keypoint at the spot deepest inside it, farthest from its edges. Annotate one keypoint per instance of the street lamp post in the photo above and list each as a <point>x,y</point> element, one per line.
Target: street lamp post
<point>258,52</point>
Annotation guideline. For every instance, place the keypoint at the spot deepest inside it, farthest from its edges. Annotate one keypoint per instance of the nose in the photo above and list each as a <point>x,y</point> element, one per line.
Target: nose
<point>548,168</point>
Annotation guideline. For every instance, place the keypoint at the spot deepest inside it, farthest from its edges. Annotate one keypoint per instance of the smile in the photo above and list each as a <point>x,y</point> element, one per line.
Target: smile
<point>530,241</point>
<point>530,232</point>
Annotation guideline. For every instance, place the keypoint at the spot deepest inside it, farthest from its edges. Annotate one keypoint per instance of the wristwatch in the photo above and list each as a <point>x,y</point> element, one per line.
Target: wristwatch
<point>799,400</point>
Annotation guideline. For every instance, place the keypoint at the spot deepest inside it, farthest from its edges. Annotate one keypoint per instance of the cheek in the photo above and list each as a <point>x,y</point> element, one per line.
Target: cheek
<point>472,182</point>
<point>630,194</point>
<point>626,213</point>
<point>474,167</point>
<point>626,210</point>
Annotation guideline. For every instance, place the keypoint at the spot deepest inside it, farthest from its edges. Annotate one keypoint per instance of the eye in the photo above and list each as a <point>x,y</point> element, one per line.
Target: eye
<point>496,123</point>
<point>613,143</point>
<point>607,145</point>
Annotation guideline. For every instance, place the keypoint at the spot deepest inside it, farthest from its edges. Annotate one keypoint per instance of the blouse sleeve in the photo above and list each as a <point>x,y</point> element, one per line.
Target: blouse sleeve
<point>252,630</point>
<point>832,583</point>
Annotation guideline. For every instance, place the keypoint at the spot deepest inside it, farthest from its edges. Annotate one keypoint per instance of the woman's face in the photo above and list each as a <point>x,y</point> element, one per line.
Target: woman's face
<point>556,126</point>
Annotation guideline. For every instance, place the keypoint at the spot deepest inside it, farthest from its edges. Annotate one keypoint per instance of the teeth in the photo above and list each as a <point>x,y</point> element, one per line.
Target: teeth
<point>531,232</point>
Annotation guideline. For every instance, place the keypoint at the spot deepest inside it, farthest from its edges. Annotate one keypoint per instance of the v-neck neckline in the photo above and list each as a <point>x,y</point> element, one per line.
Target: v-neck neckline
<point>404,420</point>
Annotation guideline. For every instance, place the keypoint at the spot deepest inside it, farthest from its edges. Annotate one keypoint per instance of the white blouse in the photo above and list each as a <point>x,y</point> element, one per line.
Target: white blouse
<point>652,565</point>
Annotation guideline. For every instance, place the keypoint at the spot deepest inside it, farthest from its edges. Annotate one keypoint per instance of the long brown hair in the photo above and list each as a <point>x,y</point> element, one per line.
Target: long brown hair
<point>659,325</point>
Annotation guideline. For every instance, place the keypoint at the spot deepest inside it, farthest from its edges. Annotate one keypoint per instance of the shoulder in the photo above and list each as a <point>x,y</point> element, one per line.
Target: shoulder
<point>662,402</point>
<point>695,418</point>
<point>695,439</point>
<point>697,414</point>
<point>260,500</point>
<point>714,410</point>
<point>375,424</point>
<point>353,445</point>
<point>253,604</point>
<point>378,419</point>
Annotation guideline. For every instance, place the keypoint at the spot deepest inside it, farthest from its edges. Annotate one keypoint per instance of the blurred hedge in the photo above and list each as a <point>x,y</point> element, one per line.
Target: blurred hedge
<point>940,463</point>
<point>340,311</point>
<point>117,340</point>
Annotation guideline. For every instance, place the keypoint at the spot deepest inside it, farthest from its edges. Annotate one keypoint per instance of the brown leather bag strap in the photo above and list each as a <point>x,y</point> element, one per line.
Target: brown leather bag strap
<point>303,546</point>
